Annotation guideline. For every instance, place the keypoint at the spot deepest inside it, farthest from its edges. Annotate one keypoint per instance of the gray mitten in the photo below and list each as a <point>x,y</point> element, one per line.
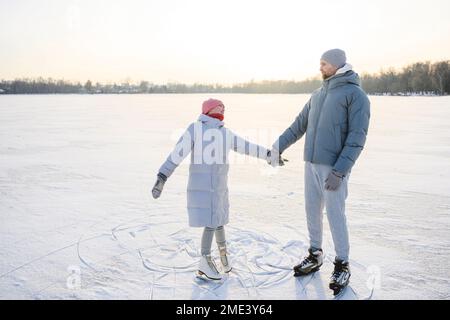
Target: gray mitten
<point>159,185</point>
<point>333,181</point>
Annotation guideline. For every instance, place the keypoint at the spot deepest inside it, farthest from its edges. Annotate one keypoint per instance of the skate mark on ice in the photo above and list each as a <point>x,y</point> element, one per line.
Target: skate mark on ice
<point>48,255</point>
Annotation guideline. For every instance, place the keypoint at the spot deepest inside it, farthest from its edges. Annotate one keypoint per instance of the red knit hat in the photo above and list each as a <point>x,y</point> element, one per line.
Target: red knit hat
<point>210,104</point>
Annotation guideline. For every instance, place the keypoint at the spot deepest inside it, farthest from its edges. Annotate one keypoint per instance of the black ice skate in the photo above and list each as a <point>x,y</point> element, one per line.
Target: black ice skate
<point>340,277</point>
<point>310,264</point>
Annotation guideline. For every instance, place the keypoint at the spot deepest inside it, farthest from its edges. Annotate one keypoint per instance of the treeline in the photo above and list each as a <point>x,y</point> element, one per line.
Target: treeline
<point>421,78</point>
<point>49,86</point>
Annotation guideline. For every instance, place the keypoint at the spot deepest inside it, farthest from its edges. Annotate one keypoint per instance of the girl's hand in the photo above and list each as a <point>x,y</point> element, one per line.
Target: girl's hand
<point>275,159</point>
<point>159,185</point>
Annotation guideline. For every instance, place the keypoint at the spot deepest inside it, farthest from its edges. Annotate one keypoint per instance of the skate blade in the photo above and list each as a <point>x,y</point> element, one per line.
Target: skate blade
<point>338,293</point>
<point>338,290</point>
<point>228,271</point>
<point>298,273</point>
<point>203,276</point>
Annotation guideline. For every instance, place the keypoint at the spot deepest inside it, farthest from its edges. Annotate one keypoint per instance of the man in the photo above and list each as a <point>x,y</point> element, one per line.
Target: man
<point>335,120</point>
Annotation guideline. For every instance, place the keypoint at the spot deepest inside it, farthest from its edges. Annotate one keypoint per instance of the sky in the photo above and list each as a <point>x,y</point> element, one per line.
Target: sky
<point>214,41</point>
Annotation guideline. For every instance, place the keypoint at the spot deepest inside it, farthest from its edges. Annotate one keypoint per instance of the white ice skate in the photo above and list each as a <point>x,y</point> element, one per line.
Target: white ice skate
<point>226,266</point>
<point>207,269</point>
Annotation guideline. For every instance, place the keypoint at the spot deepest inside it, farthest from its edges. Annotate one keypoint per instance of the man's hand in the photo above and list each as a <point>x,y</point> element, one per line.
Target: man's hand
<point>159,185</point>
<point>274,158</point>
<point>333,181</point>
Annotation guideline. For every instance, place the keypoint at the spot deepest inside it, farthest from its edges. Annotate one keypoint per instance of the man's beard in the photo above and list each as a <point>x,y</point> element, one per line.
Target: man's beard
<point>326,76</point>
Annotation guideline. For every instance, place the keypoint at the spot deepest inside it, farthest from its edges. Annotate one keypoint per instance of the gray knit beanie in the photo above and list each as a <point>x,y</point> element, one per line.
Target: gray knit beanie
<point>336,57</point>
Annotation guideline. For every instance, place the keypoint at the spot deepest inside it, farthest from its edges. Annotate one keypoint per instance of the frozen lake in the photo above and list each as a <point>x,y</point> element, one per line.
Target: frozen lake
<point>77,220</point>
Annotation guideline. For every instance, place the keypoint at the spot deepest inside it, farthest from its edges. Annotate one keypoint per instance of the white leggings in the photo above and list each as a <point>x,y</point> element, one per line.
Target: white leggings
<point>207,237</point>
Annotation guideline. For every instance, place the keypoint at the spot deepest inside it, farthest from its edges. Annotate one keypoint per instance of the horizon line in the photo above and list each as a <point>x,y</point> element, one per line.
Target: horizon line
<point>130,80</point>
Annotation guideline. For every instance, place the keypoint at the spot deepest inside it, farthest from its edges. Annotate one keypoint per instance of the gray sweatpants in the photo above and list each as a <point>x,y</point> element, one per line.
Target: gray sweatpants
<point>316,198</point>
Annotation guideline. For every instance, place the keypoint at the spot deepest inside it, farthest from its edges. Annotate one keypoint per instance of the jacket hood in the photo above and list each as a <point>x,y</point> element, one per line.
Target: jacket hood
<point>344,75</point>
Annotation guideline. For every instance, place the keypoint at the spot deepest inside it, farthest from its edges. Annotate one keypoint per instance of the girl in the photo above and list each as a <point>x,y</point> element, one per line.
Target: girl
<point>209,143</point>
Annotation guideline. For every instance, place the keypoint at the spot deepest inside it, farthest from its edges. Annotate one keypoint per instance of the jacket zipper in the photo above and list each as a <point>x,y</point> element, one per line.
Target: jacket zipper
<point>318,120</point>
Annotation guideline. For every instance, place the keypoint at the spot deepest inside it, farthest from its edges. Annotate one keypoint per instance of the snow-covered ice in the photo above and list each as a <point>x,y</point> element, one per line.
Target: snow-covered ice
<point>78,220</point>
